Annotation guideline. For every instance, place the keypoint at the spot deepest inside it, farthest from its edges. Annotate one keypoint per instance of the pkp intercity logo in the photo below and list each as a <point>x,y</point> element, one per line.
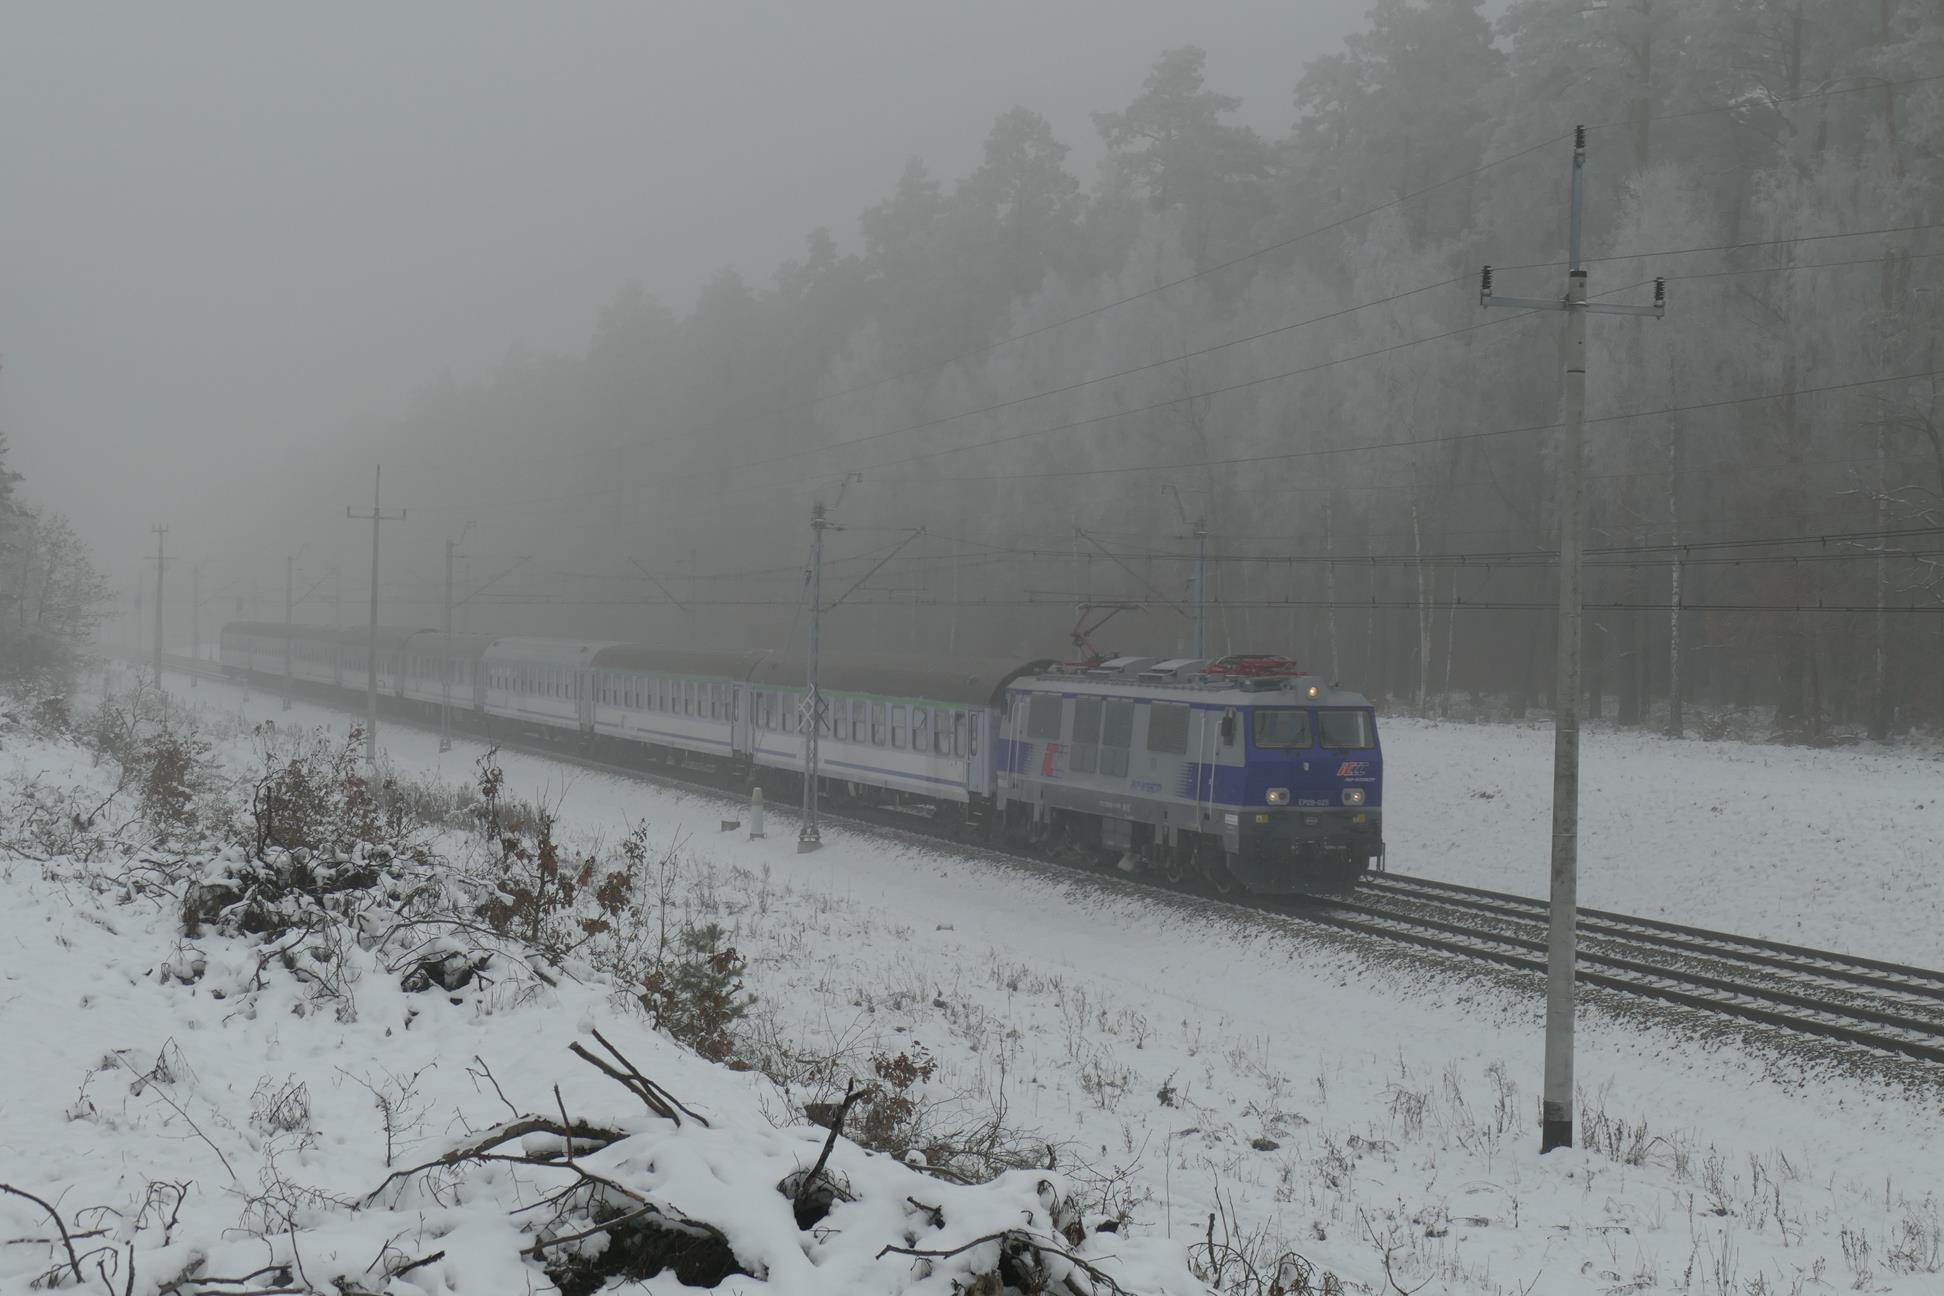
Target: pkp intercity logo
<point>1354,769</point>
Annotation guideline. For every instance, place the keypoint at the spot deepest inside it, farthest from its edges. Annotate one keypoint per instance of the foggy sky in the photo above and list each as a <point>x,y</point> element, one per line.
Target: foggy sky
<point>232,229</point>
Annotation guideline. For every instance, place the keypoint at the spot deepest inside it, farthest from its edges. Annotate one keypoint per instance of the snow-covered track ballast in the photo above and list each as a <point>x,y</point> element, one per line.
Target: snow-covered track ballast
<point>1869,1002</point>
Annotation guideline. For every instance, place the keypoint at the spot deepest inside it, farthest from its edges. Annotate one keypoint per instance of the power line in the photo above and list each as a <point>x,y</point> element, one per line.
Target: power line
<point>1662,607</point>
<point>1365,447</point>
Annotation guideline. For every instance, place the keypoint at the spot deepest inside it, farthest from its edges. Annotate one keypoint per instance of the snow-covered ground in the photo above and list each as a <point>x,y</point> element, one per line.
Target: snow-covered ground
<point>1837,848</point>
<point>1365,1111</point>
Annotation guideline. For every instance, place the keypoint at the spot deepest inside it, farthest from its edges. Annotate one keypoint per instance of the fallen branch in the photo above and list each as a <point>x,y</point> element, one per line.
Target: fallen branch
<point>74,1261</point>
<point>658,1099</point>
<point>481,1148</point>
<point>851,1095</point>
<point>1016,1238</point>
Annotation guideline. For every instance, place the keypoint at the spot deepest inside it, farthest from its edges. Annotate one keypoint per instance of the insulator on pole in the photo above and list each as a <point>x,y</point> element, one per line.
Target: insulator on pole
<point>1484,284</point>
<point>1660,294</point>
<point>1579,139</point>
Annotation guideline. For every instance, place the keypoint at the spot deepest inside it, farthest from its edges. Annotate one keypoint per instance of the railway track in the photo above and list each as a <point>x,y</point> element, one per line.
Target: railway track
<point>1869,1003</point>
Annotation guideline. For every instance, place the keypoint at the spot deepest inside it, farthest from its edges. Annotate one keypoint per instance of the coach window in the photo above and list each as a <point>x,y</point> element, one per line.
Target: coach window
<point>877,724</point>
<point>1085,755</point>
<point>1116,736</point>
<point>897,726</point>
<point>859,708</point>
<point>920,728</point>
<point>958,733</point>
<point>1168,728</point>
<point>1043,717</point>
<point>941,733</point>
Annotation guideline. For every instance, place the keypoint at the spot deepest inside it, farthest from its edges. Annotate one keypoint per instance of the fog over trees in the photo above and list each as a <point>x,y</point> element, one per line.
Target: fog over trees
<point>1058,376</point>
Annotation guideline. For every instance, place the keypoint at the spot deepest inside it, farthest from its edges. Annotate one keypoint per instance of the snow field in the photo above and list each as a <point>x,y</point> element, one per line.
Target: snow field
<point>1837,848</point>
<point>1355,1109</point>
<point>191,1115</point>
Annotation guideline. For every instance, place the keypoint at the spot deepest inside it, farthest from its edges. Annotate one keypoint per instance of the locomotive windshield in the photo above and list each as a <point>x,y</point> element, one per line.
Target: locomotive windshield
<point>1282,727</point>
<point>1346,728</point>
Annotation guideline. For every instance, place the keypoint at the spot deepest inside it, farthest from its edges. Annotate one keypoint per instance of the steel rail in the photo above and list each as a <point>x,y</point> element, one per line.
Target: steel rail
<point>1809,960</point>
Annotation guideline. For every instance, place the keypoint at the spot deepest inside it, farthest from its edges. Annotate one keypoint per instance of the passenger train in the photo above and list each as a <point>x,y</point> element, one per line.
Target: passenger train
<point>1238,772</point>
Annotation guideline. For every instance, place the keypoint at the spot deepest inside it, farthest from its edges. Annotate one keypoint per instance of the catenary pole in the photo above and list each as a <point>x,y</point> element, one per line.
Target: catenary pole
<point>160,531</point>
<point>810,834</point>
<point>1201,587</point>
<point>195,622</point>
<point>378,516</point>
<point>290,594</point>
<point>1562,943</point>
<point>445,670</point>
<point>337,626</point>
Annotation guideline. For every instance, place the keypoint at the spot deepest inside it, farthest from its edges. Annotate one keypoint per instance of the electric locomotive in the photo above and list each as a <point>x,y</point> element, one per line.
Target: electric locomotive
<point>1244,771</point>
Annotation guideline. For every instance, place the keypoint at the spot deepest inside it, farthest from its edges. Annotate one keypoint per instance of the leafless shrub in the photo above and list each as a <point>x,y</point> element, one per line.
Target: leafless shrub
<point>1253,1263</point>
<point>401,1110</point>
<point>314,794</point>
<point>281,1108</point>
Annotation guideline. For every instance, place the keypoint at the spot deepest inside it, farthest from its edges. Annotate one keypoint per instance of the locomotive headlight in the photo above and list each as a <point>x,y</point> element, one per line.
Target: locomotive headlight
<point>1278,796</point>
<point>1353,796</point>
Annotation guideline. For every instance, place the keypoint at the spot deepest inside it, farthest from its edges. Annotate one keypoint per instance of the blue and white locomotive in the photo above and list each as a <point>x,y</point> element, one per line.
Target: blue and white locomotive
<point>1243,771</point>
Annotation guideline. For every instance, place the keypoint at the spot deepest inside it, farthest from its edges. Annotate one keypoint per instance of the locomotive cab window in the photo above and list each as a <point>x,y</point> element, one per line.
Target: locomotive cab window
<point>1043,716</point>
<point>1116,736</point>
<point>1345,728</point>
<point>1085,757</point>
<point>1168,728</point>
<point>1282,727</point>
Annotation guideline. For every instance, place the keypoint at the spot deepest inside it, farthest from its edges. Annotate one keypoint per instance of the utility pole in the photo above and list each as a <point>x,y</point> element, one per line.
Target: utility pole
<point>1562,946</point>
<point>1200,525</point>
<point>195,622</point>
<point>377,516</point>
<point>337,626</point>
<point>810,834</point>
<point>160,531</point>
<point>290,578</point>
<point>1201,587</point>
<point>445,672</point>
